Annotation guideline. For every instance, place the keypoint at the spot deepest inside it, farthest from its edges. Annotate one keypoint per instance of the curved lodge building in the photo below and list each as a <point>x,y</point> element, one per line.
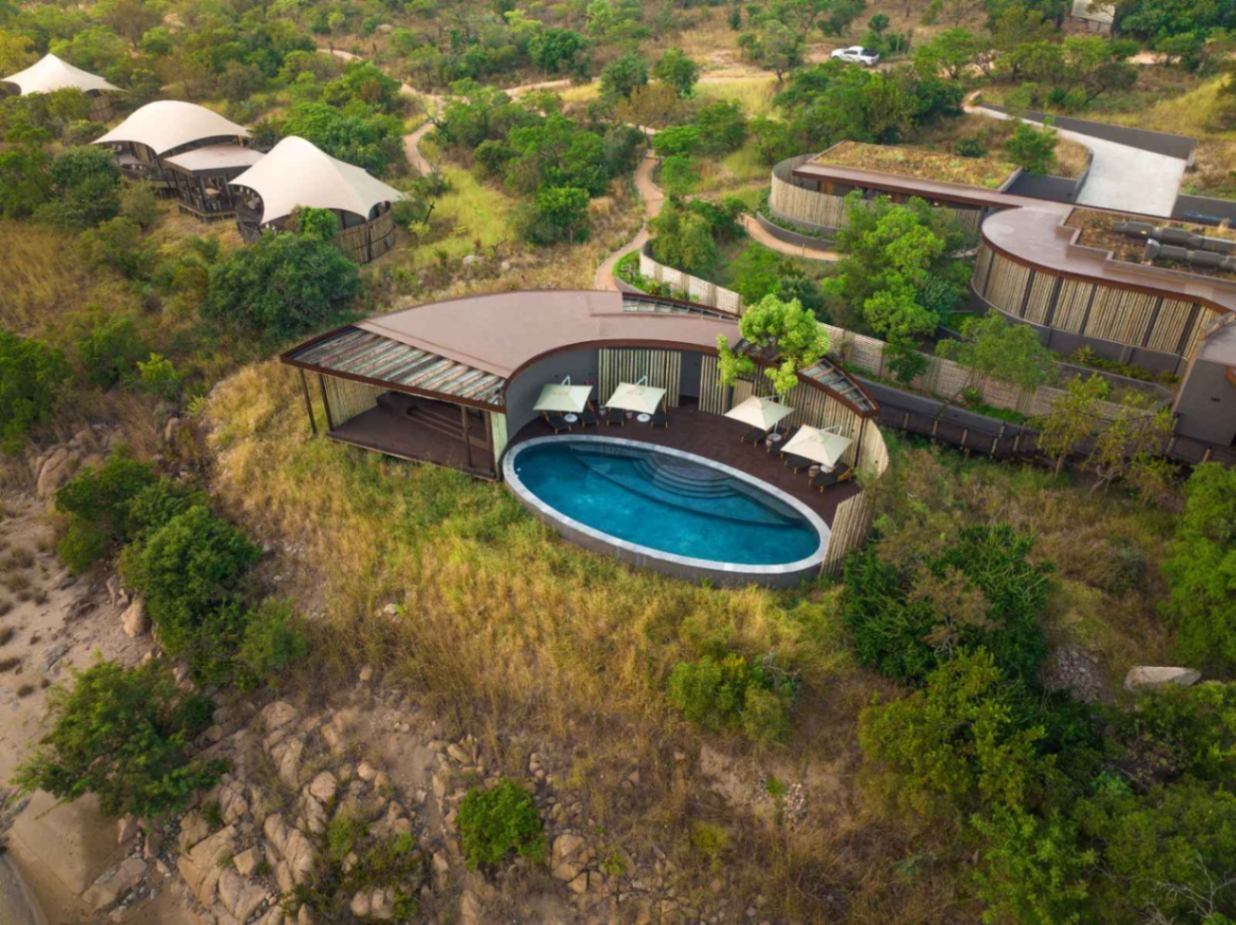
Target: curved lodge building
<point>1141,290</point>
<point>296,174</point>
<point>455,384</point>
<point>186,151</point>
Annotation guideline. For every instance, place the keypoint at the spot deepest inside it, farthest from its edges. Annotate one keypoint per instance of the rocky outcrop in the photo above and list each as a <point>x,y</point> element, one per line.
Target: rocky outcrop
<point>135,620</point>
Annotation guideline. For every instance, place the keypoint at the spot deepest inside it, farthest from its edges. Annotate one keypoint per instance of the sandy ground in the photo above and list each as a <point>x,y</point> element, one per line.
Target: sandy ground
<point>52,625</point>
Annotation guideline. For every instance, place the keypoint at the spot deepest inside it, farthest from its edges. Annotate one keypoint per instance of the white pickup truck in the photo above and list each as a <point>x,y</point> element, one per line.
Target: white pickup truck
<point>856,54</point>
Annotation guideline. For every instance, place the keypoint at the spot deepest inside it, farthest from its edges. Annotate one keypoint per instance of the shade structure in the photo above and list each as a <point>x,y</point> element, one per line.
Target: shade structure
<point>758,411</point>
<point>50,73</point>
<point>165,125</point>
<point>820,446</point>
<point>297,173</point>
<point>642,399</point>
<point>567,399</point>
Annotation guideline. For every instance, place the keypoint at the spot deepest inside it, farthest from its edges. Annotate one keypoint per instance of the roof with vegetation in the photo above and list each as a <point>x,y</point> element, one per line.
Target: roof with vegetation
<point>985,172</point>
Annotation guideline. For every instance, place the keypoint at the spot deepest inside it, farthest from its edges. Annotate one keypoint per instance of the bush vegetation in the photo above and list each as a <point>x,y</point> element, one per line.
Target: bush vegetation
<point>125,734</point>
<point>498,822</point>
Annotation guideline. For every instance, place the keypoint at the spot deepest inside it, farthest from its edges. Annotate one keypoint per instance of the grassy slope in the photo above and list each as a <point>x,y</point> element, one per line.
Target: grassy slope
<point>532,642</point>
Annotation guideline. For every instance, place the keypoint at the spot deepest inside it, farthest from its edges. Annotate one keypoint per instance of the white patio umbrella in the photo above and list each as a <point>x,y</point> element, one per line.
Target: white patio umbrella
<point>563,398</point>
<point>759,412</point>
<point>637,397</point>
<point>822,446</point>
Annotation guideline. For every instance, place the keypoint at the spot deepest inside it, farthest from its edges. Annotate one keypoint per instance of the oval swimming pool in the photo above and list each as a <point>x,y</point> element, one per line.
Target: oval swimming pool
<point>666,509</point>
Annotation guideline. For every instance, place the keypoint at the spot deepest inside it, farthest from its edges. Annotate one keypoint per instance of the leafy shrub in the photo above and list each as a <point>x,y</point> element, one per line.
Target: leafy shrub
<point>980,590</point>
<point>733,692</point>
<point>114,503</point>
<point>273,643</point>
<point>86,182</point>
<point>124,734</point>
<point>281,286</point>
<point>495,822</point>
<point>556,214</point>
<point>1201,568</point>
<point>157,375</point>
<point>190,571</point>
<point>106,348</point>
<point>32,377</point>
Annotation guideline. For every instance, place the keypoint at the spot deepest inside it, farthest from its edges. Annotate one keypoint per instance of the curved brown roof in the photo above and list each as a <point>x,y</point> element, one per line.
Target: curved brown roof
<point>466,350</point>
<point>1039,238</point>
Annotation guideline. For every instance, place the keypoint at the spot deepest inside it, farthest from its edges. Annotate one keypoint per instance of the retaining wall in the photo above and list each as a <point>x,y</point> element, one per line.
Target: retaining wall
<point>697,290</point>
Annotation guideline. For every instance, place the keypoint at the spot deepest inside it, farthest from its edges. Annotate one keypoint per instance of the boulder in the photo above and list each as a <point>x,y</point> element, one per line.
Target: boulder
<point>114,885</point>
<point>287,757</point>
<point>365,771</point>
<point>54,469</point>
<point>567,856</point>
<point>200,866</point>
<point>247,861</point>
<point>360,904</point>
<point>126,829</point>
<point>278,714</point>
<point>193,828</point>
<point>135,620</point>
<point>324,787</point>
<point>1150,677</point>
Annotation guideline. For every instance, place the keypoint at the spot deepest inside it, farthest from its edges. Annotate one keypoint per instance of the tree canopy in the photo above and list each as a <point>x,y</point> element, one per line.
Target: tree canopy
<point>784,336</point>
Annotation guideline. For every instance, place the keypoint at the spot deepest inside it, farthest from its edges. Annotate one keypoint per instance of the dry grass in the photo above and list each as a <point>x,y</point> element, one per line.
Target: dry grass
<point>530,642</point>
<point>43,278</point>
<point>988,172</point>
<point>944,136</point>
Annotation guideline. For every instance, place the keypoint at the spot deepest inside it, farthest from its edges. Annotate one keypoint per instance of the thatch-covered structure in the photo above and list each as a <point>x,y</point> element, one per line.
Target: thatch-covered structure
<point>297,174</point>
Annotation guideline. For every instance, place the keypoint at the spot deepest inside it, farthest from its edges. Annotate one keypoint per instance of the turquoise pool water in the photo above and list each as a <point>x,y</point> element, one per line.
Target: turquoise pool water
<point>665,502</point>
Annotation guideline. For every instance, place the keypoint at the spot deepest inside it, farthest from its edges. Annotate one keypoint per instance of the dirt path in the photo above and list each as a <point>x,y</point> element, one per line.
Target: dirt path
<point>759,233</point>
<point>653,200</point>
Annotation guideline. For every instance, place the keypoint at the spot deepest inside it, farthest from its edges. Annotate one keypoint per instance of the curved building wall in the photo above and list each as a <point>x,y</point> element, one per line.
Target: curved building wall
<point>1121,323</point>
<point>797,201</point>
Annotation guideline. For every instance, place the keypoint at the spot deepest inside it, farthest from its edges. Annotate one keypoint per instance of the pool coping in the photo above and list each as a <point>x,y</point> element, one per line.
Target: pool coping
<point>679,566</point>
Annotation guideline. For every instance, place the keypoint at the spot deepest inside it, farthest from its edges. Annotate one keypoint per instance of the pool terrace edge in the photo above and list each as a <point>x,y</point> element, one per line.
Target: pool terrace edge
<point>667,563</point>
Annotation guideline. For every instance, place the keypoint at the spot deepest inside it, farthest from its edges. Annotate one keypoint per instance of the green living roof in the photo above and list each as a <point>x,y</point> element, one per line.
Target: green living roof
<point>984,172</point>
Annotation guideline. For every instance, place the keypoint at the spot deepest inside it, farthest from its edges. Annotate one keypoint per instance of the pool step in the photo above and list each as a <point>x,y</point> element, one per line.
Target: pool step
<point>686,478</point>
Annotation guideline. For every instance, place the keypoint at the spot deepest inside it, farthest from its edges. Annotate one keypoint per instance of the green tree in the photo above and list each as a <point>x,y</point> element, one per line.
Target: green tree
<point>1201,570</point>
<point>497,822</point>
<point>559,51</point>
<point>25,180</point>
<point>956,746</point>
<point>953,53</point>
<point>1071,418</point>
<point>557,214</point>
<point>995,348</point>
<point>722,127</point>
<point>1032,149</point>
<point>978,590</point>
<point>86,182</point>
<point>677,70</point>
<point>775,47</point>
<point>190,572</point>
<point>281,286</point>
<point>783,336</point>
<point>1033,870</point>
<point>354,133</point>
<point>32,378</point>
<point>274,642</point>
<point>679,175</point>
<point>1131,440</point>
<point>126,735</point>
<point>622,75</point>
<point>683,239</point>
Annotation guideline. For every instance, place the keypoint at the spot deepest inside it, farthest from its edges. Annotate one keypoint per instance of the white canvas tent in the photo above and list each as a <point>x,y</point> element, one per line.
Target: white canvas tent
<point>759,412</point>
<point>165,125</point>
<point>296,173</point>
<point>822,446</point>
<point>564,398</point>
<point>637,397</point>
<point>50,73</point>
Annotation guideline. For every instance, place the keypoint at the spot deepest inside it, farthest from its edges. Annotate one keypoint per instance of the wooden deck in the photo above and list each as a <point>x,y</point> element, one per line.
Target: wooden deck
<point>419,440</point>
<point>717,438</point>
